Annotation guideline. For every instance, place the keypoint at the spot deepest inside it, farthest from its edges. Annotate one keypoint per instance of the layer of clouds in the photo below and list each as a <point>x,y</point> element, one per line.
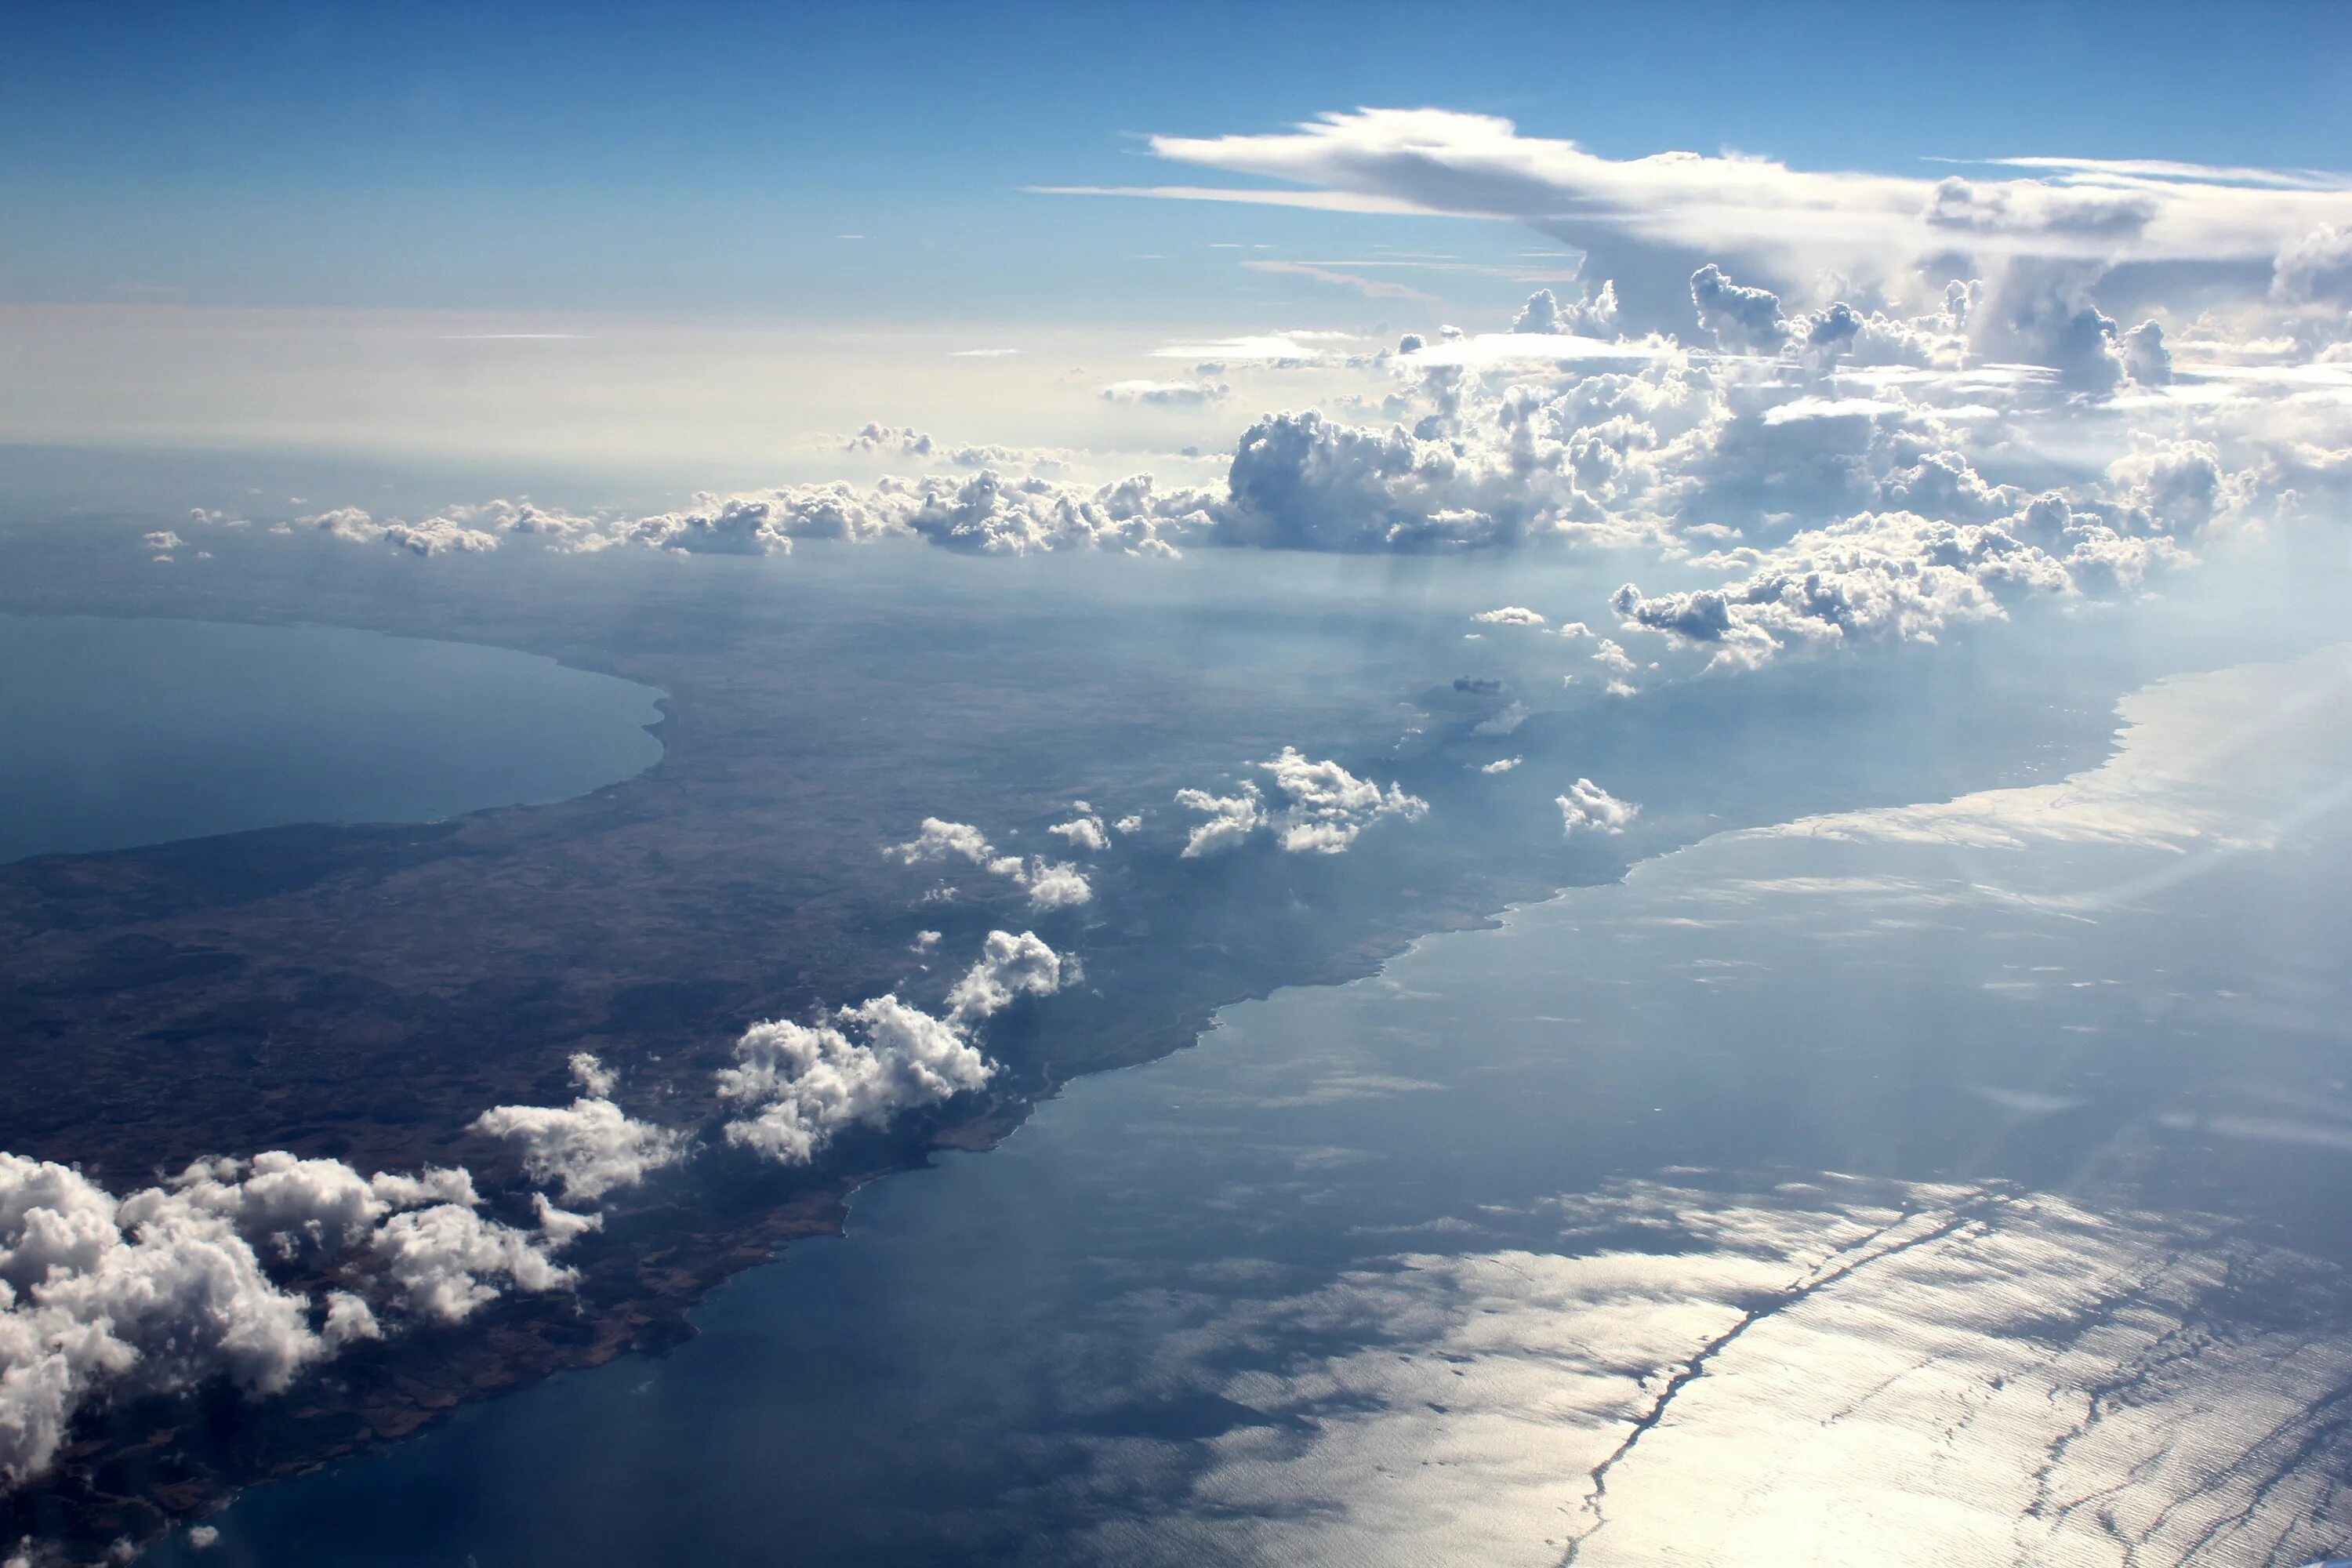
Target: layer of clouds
<point>795,1086</point>
<point>1167,394</point>
<point>1319,808</point>
<point>1439,161</point>
<point>989,513</point>
<point>1880,406</point>
<point>906,442</point>
<point>1899,575</point>
<point>1857,434</point>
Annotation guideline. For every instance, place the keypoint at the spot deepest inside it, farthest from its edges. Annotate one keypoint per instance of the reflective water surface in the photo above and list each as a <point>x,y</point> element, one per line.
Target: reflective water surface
<point>1951,1184</point>
<point>129,731</point>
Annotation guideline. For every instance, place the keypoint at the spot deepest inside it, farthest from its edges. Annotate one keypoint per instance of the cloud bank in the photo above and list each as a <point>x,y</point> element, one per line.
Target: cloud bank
<point>1862,406</point>
<point>183,1283</point>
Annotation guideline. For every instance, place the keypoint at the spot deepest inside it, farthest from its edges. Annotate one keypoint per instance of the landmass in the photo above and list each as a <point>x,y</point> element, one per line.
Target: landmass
<point>363,991</point>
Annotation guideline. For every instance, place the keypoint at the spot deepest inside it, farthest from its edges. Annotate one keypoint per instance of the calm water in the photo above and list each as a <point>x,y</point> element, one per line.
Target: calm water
<point>1935,1189</point>
<point>124,732</point>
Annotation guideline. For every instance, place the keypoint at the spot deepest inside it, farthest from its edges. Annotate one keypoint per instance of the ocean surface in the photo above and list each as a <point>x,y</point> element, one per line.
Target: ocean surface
<point>1948,1185</point>
<point>130,731</point>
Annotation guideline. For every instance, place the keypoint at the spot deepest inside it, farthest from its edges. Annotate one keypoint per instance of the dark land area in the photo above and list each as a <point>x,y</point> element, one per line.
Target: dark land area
<point>363,991</point>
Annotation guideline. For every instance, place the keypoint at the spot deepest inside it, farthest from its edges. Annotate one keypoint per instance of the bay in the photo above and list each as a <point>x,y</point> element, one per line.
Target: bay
<point>130,731</point>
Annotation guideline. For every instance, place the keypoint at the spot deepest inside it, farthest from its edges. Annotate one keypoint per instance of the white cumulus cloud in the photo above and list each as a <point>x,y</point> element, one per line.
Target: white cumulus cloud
<point>173,1286</point>
<point>798,1085</point>
<point>591,1147</point>
<point>1589,808</point>
<point>1321,808</point>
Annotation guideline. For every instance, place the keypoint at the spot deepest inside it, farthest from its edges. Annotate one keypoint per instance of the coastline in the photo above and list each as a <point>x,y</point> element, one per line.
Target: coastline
<point>637,1294</point>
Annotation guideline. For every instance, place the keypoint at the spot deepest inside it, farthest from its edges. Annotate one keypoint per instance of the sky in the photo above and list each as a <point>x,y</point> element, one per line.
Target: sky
<point>1360,277</point>
<point>706,160</point>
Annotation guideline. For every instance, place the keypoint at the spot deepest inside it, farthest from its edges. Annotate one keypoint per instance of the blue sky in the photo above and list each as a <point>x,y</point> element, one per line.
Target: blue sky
<point>704,160</point>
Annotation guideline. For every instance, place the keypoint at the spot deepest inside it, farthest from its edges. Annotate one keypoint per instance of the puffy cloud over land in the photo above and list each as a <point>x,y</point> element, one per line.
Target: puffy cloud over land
<point>1084,831</point>
<point>1050,885</point>
<point>590,1146</point>
<point>179,1284</point>
<point>797,1085</point>
<point>1589,808</point>
<point>1009,966</point>
<point>1321,808</point>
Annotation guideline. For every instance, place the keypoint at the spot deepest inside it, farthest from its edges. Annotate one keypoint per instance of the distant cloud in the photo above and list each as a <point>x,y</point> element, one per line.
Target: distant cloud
<point>1829,456</point>
<point>433,536</point>
<point>1170,393</point>
<point>1369,287</point>
<point>1477,165</point>
<point>906,441</point>
<point>1295,348</point>
<point>1509,616</point>
<point>1833,408</point>
<point>1506,722</point>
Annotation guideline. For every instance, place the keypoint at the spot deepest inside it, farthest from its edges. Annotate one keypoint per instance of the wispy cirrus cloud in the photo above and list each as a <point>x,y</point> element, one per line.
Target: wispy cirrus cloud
<point>1443,161</point>
<point>1369,287</point>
